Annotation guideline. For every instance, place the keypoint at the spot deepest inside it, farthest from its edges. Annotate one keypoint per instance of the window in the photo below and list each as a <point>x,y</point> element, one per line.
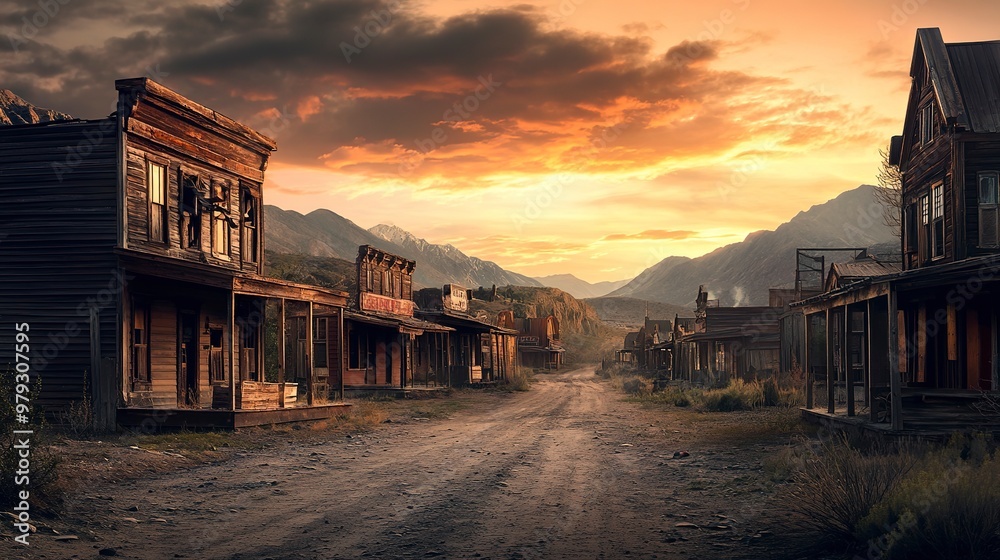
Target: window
<point>248,216</point>
<point>216,361</point>
<point>190,212</point>
<point>156,186</point>
<point>989,220</point>
<point>937,221</point>
<point>320,354</point>
<point>220,220</point>
<point>927,124</point>
<point>140,344</point>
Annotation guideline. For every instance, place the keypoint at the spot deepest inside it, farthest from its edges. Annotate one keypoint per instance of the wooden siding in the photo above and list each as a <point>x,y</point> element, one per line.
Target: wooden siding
<point>58,226</point>
<point>979,156</point>
<point>138,154</point>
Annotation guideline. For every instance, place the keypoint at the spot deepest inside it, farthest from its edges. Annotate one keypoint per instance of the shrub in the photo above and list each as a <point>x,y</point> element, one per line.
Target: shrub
<point>637,386</point>
<point>738,395</point>
<point>518,383</point>
<point>839,485</point>
<point>45,492</point>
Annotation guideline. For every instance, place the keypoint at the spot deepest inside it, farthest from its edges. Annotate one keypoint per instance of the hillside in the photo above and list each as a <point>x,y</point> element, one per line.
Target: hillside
<point>14,110</point>
<point>578,288</point>
<point>322,233</point>
<point>741,273</point>
<point>587,339</point>
<point>328,272</point>
<point>630,312</point>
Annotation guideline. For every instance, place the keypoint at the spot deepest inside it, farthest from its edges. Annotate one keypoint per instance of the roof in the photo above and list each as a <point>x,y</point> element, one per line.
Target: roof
<point>977,73</point>
<point>757,319</point>
<point>664,325</point>
<point>852,271</point>
<point>404,324</point>
<point>462,321</point>
<point>630,339</point>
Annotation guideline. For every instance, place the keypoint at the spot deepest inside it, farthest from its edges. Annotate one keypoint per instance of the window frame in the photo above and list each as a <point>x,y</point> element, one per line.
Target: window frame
<point>927,124</point>
<point>249,226</point>
<point>936,240</point>
<point>988,206</point>
<point>161,237</point>
<point>136,382</point>
<point>321,345</point>
<point>219,220</point>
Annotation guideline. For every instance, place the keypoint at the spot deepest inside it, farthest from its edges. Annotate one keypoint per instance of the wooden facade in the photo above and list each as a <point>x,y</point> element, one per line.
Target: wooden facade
<point>727,343</point>
<point>538,344</point>
<point>135,244</point>
<point>917,349</point>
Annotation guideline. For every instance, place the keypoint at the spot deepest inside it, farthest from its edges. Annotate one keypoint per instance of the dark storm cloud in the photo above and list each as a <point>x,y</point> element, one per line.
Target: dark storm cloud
<point>264,60</point>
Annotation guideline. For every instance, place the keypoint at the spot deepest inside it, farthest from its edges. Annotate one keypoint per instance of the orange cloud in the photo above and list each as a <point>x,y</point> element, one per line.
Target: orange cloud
<point>651,234</point>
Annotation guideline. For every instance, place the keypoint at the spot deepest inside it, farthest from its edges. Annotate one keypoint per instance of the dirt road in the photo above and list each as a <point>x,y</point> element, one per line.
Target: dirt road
<point>566,470</point>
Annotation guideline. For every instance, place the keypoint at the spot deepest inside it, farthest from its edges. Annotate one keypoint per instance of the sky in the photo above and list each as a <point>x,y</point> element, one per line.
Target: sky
<point>592,137</point>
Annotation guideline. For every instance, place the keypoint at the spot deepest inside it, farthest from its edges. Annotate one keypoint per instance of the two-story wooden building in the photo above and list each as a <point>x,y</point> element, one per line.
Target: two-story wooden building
<point>923,341</point>
<point>133,248</point>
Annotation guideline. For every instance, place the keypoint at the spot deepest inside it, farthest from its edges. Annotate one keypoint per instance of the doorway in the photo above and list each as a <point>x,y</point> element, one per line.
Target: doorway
<point>187,360</point>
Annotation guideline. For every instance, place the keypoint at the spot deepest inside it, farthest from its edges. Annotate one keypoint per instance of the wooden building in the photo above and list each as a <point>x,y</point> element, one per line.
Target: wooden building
<point>538,343</point>
<point>922,342</point>
<point>479,351</point>
<point>386,346</point>
<point>134,250</point>
<point>727,343</point>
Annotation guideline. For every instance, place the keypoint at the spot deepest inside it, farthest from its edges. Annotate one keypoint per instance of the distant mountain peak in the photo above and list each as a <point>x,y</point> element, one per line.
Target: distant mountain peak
<point>741,273</point>
<point>15,110</point>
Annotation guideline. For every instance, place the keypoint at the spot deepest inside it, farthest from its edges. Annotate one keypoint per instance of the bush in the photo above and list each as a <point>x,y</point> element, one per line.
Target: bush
<point>738,395</point>
<point>837,487</point>
<point>637,386</point>
<point>45,493</point>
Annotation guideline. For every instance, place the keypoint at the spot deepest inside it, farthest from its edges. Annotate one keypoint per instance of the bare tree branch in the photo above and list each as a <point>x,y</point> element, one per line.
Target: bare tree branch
<point>889,192</point>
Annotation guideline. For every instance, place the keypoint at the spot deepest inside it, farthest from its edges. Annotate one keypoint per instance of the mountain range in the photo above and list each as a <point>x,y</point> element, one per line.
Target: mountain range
<point>323,233</point>
<point>741,273</point>
<point>14,110</point>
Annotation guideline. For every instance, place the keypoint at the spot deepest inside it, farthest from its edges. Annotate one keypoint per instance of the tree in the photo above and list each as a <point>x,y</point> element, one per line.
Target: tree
<point>889,192</point>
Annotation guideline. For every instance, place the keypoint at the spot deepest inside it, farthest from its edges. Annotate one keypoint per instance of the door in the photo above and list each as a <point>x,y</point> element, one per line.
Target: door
<point>187,361</point>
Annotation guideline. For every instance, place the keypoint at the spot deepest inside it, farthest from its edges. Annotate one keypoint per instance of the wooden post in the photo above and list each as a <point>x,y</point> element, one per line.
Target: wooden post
<point>228,337</point>
<point>310,345</point>
<point>894,381</point>
<point>96,397</point>
<point>281,353</point>
<point>849,369</point>
<point>341,335</point>
<point>810,399</point>
<point>831,395</point>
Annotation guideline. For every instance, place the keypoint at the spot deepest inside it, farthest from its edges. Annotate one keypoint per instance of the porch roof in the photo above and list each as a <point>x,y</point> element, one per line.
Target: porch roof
<point>406,325</point>
<point>463,321</point>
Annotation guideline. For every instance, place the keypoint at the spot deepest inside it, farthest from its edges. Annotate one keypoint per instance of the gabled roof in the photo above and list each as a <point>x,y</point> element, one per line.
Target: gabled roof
<point>977,73</point>
<point>860,269</point>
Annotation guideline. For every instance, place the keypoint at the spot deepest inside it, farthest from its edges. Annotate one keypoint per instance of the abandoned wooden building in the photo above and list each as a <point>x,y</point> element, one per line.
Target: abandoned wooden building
<point>479,351</point>
<point>134,251</point>
<point>920,344</point>
<point>727,343</point>
<point>538,343</point>
<point>386,346</point>
<point>649,348</point>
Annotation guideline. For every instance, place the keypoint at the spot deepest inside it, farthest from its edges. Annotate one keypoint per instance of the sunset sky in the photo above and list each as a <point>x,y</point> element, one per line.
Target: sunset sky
<point>594,137</point>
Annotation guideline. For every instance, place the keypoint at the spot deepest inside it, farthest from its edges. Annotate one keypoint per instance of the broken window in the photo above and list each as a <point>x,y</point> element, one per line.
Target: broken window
<point>248,214</point>
<point>190,212</point>
<point>216,360</point>
<point>221,244</point>
<point>156,186</point>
